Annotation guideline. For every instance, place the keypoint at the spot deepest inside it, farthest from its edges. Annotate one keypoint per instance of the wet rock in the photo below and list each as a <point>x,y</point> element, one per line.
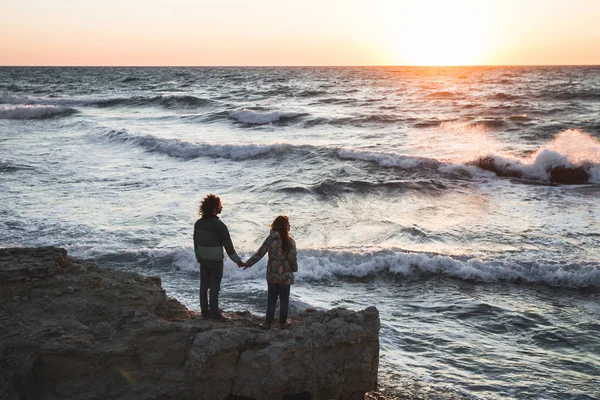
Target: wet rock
<point>118,335</point>
<point>489,164</point>
<point>569,175</point>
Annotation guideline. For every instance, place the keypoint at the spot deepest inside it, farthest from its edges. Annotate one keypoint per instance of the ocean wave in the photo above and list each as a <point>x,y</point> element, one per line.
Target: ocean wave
<point>9,166</point>
<point>592,94</point>
<point>520,118</point>
<point>488,123</point>
<point>387,159</point>
<point>429,123</point>
<point>444,95</point>
<point>336,100</point>
<point>311,93</point>
<point>332,265</point>
<point>326,265</point>
<point>251,117</point>
<point>331,187</point>
<point>356,121</point>
<point>131,79</point>
<point>573,157</point>
<point>165,101</point>
<point>188,150</point>
<point>35,111</point>
<point>503,96</point>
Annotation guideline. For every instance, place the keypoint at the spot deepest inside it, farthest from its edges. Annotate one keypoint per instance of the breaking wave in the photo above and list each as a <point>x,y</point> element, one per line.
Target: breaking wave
<point>573,157</point>
<point>331,265</point>
<point>326,265</point>
<point>35,111</point>
<point>188,150</point>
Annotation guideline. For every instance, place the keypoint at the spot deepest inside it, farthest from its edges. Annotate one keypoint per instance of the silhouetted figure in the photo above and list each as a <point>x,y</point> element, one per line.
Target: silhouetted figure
<point>282,264</point>
<point>210,237</point>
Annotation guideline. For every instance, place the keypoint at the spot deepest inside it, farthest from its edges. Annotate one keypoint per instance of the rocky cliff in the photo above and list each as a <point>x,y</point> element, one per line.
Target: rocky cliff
<point>71,330</point>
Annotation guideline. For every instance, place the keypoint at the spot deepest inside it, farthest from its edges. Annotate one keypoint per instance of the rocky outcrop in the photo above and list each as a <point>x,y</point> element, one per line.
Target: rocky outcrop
<point>71,330</point>
<point>569,176</point>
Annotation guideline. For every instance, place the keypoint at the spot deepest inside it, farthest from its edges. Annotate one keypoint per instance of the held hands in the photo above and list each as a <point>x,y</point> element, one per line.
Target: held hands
<point>242,264</point>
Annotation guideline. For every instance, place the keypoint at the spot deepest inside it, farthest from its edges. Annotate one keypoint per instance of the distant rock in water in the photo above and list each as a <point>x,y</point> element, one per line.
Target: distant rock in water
<point>569,176</point>
<point>489,164</point>
<point>71,330</point>
<point>561,174</point>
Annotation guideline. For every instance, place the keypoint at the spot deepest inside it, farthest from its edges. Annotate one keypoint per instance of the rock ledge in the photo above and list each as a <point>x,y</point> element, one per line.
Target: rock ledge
<point>71,330</point>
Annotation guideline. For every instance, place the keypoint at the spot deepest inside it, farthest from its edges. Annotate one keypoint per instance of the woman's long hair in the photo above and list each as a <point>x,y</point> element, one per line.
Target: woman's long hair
<point>281,224</point>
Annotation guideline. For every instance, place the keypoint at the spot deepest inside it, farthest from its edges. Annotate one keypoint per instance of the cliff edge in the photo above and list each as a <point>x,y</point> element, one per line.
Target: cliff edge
<point>72,330</point>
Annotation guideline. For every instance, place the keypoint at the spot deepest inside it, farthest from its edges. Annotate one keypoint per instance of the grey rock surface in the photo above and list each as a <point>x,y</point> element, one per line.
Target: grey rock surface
<point>72,330</point>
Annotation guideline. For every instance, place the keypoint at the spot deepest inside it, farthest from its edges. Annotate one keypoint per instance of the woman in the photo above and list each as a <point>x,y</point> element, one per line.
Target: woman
<point>280,269</point>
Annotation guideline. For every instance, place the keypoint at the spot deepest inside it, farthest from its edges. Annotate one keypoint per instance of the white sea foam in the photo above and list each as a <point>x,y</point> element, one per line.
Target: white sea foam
<point>385,159</point>
<point>595,174</point>
<point>182,149</point>
<point>326,265</point>
<point>34,111</point>
<point>258,118</point>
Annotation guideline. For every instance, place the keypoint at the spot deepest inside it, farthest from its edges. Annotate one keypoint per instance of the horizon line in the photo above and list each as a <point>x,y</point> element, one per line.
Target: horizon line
<point>301,66</point>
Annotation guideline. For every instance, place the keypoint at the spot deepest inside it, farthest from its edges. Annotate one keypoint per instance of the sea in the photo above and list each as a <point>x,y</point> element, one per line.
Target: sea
<point>462,202</point>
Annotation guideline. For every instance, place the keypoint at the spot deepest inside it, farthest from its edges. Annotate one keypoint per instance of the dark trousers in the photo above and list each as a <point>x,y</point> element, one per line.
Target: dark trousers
<point>211,273</point>
<point>283,292</point>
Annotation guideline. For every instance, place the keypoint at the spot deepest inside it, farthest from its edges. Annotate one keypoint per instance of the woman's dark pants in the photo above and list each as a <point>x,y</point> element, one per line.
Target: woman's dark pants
<point>211,273</point>
<point>283,292</point>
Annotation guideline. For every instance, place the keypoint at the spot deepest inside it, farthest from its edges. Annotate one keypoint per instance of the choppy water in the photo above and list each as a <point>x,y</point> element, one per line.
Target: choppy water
<point>487,280</point>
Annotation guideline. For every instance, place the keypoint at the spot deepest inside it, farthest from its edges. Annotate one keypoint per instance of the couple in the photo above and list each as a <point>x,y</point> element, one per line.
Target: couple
<point>211,236</point>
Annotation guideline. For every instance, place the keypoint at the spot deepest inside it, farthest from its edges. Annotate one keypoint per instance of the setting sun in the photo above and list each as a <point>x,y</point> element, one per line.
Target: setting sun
<point>442,33</point>
<point>437,32</point>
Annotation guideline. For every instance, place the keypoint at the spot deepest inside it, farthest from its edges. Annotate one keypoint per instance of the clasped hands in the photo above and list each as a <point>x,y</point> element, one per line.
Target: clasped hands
<point>242,264</point>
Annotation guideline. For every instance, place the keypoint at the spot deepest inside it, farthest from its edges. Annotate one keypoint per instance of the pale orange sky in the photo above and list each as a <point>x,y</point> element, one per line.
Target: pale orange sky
<point>308,32</point>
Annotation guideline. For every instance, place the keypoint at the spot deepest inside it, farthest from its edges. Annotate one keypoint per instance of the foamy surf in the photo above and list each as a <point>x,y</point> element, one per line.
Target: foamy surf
<point>332,265</point>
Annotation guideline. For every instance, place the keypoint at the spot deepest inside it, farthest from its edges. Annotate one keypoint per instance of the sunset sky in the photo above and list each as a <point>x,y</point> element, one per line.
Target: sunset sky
<point>308,32</point>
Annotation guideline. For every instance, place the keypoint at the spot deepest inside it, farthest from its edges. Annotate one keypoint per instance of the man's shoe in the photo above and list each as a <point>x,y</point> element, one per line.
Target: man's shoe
<point>287,324</point>
<point>222,317</point>
<point>264,326</point>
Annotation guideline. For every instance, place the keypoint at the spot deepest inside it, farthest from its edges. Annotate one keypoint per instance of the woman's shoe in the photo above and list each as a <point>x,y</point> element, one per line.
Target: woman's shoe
<point>265,326</point>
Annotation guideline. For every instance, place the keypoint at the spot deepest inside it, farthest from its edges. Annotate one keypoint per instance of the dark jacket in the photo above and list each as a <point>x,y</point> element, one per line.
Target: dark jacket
<point>210,236</point>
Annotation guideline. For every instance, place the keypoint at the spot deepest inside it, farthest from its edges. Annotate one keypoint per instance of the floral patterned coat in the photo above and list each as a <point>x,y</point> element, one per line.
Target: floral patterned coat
<point>281,265</point>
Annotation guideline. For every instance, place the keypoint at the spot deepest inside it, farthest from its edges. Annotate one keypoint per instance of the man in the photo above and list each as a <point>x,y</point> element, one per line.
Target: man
<point>210,236</point>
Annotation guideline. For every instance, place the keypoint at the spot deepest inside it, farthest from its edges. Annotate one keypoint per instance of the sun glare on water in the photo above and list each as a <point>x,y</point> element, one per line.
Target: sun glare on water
<point>438,32</point>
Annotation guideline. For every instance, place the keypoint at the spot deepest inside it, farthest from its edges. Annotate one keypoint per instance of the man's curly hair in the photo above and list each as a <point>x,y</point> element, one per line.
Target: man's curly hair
<point>208,204</point>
